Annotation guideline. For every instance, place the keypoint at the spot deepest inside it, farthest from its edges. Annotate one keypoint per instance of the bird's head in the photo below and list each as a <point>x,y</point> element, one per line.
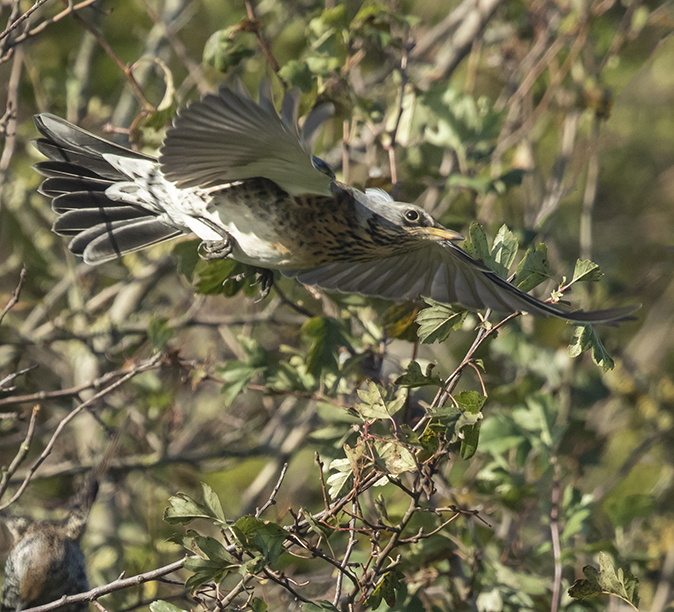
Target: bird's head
<point>408,219</point>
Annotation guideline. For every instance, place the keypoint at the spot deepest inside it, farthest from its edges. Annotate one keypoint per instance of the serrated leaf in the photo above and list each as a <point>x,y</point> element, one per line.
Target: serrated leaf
<point>533,269</point>
<point>183,510</point>
<point>164,606</point>
<point>399,321</point>
<point>503,252</point>
<point>471,401</point>
<point>337,482</point>
<point>263,536</point>
<point>212,502</point>
<point>622,584</point>
<point>414,377</point>
<point>378,402</point>
<point>477,245</point>
<point>214,551</point>
<point>438,321</point>
<point>328,337</point>
<point>396,458</point>
<point>586,271</point>
<point>393,582</point>
<point>585,338</point>
<point>203,570</point>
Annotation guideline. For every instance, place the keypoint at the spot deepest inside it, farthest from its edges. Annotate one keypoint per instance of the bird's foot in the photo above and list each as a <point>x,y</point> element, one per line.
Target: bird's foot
<point>265,278</point>
<point>214,249</point>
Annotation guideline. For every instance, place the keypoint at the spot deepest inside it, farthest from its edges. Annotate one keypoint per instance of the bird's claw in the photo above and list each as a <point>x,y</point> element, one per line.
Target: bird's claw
<point>265,278</point>
<point>214,249</point>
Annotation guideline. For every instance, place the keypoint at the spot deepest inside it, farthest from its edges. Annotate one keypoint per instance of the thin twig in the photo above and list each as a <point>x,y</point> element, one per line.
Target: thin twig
<point>15,295</point>
<point>554,532</point>
<point>271,501</point>
<point>126,70</point>
<point>41,396</point>
<point>347,554</point>
<point>21,453</point>
<point>47,22</point>
<point>16,23</point>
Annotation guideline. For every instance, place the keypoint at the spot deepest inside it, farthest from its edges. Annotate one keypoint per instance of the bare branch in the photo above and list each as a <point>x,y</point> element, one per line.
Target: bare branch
<point>142,367</point>
<point>15,295</point>
<point>115,585</point>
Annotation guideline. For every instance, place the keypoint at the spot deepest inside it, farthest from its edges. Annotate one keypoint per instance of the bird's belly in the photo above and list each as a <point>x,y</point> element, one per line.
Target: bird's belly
<point>256,241</point>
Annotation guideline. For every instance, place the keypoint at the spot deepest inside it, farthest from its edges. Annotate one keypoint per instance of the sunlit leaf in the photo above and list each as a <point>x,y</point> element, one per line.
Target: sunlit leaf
<point>438,321</point>
<point>606,580</point>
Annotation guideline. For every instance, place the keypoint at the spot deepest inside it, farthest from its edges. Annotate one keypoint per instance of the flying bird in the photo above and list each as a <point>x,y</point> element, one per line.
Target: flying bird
<point>242,179</point>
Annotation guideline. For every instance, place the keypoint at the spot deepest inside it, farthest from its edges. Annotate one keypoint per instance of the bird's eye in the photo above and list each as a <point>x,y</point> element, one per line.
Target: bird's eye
<point>412,215</point>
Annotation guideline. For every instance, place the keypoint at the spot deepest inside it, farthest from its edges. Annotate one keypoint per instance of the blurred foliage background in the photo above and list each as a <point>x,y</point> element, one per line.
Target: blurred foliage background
<point>554,118</point>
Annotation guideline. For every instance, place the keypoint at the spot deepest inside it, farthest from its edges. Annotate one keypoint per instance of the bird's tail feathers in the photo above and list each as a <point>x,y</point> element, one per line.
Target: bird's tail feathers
<point>106,214</point>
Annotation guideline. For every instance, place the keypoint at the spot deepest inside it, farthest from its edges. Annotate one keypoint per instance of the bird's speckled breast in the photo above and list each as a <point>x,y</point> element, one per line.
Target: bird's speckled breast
<point>274,229</point>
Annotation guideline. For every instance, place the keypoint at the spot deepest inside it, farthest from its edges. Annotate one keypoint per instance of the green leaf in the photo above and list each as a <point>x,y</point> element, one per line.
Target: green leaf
<point>586,271</point>
<point>622,584</point>
<point>378,402</point>
<point>395,457</point>
<point>223,50</point>
<point>338,481</point>
<point>263,536</point>
<point>183,510</point>
<point>328,337</point>
<point>533,269</point>
<point>217,277</point>
<point>204,570</point>
<point>477,245</point>
<point>586,338</point>
<point>214,550</point>
<point>237,374</point>
<point>320,529</point>
<point>438,321</point>
<point>159,332</point>
<point>470,401</point>
<point>399,321</point>
<point>186,254</point>
<point>503,252</point>
<point>414,377</point>
<point>471,437</point>
<point>213,503</point>
<point>164,606</point>
<point>393,582</point>
<point>298,74</point>
<point>257,605</point>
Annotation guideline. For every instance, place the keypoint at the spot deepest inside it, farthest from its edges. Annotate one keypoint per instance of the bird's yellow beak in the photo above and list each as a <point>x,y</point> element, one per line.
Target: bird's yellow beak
<point>441,233</point>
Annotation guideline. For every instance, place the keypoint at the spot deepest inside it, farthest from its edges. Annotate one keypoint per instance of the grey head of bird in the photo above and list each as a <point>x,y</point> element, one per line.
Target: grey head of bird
<point>405,226</point>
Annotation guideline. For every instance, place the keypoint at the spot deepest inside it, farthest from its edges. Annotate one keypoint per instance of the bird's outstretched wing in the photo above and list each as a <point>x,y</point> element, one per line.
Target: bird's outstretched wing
<point>446,273</point>
<point>227,137</point>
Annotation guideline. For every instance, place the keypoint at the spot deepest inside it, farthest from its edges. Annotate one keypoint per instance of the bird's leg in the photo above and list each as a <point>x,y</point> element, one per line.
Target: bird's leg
<point>215,249</point>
